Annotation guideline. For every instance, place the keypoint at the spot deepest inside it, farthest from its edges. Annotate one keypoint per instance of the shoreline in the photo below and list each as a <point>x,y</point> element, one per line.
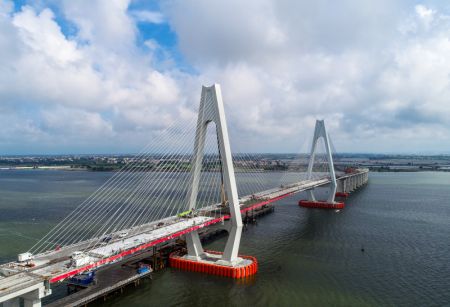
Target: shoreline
<point>87,169</point>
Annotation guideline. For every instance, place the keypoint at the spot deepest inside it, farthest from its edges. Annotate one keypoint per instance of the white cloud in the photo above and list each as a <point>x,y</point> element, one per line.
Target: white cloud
<point>344,62</point>
<point>79,89</point>
<point>148,16</point>
<point>103,24</point>
<point>43,35</point>
<point>426,15</point>
<point>79,124</point>
<point>378,72</point>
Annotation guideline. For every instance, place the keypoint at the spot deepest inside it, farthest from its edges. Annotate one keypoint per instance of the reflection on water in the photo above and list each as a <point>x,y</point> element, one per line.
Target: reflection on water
<point>306,257</point>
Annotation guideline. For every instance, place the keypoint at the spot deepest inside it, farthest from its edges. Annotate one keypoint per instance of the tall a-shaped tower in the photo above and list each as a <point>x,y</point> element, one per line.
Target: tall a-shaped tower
<point>212,110</point>
<point>321,132</point>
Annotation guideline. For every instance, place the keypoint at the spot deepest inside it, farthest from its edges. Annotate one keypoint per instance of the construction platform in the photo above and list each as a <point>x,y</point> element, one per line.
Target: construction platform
<point>319,204</point>
<point>246,267</point>
<point>342,194</point>
<point>108,281</point>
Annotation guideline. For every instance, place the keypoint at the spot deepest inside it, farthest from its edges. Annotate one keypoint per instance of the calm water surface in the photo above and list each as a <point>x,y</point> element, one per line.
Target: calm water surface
<point>307,257</point>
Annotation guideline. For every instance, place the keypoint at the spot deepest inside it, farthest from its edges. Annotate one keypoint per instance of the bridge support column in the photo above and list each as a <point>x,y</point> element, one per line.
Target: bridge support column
<point>212,110</point>
<point>194,246</point>
<point>340,186</point>
<point>311,196</point>
<point>32,299</point>
<point>321,132</point>
<point>227,263</point>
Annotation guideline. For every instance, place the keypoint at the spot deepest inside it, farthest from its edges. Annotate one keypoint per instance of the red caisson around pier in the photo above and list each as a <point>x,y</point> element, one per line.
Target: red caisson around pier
<point>342,194</point>
<point>321,204</point>
<point>248,268</point>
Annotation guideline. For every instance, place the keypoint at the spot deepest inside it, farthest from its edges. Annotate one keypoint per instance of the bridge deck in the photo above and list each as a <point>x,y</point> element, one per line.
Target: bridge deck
<point>16,283</point>
<point>55,265</point>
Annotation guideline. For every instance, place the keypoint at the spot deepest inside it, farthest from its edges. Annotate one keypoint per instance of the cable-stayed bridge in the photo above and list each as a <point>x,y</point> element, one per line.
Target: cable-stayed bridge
<point>161,195</point>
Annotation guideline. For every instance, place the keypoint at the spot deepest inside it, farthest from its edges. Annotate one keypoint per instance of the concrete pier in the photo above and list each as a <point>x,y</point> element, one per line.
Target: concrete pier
<point>351,182</point>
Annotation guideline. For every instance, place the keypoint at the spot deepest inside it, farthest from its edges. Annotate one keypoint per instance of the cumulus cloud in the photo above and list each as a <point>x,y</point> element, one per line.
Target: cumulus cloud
<point>350,62</point>
<point>148,16</point>
<point>90,90</point>
<point>425,14</point>
<point>376,71</point>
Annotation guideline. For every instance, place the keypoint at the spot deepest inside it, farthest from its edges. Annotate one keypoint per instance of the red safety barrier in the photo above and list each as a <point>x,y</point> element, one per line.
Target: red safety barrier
<point>157,241</point>
<point>176,261</point>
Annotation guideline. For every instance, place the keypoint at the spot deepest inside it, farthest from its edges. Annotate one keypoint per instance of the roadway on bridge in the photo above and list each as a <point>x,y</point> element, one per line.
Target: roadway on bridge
<point>56,265</point>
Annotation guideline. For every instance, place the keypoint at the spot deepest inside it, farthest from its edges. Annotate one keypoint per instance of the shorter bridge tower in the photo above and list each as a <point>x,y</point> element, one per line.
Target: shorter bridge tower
<point>228,263</point>
<point>321,132</point>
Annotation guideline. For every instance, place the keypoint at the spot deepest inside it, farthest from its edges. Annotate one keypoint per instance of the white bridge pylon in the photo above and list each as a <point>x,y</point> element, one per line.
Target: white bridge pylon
<point>212,110</point>
<point>321,132</point>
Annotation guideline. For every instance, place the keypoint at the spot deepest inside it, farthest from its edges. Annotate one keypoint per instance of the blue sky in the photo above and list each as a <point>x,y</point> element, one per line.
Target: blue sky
<point>112,76</point>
